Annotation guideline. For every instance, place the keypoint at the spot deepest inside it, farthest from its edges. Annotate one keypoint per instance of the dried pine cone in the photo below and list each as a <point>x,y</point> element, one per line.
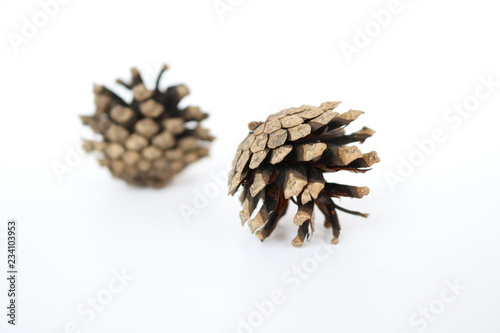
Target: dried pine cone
<point>150,140</point>
<point>286,156</point>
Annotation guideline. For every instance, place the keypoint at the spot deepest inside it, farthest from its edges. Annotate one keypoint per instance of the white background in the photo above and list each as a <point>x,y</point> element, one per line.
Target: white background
<point>203,274</point>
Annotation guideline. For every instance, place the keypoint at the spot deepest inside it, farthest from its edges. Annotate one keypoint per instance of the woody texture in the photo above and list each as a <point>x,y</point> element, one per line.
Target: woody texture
<point>148,141</point>
<point>285,157</point>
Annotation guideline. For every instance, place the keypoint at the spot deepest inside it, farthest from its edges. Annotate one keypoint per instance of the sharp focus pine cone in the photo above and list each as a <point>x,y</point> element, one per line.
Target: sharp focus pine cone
<point>286,156</point>
<point>150,140</point>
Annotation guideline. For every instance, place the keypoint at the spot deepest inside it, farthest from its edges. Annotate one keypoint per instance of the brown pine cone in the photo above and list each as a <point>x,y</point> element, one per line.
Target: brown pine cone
<point>285,157</point>
<point>149,140</point>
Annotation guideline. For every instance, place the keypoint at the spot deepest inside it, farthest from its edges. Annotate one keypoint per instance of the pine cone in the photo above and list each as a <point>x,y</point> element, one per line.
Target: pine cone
<point>150,140</point>
<point>286,156</point>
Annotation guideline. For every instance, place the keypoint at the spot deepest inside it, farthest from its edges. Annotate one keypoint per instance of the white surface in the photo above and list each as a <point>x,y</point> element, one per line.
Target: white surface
<point>439,225</point>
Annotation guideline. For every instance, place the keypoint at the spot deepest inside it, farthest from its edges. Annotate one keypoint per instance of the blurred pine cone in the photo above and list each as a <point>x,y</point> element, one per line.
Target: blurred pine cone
<point>285,157</point>
<point>149,140</point>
